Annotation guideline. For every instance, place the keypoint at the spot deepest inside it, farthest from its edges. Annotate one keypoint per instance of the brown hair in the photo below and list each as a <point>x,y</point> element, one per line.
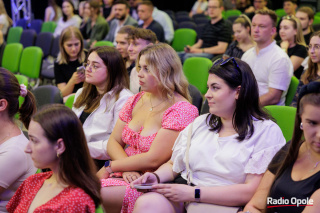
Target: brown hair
<point>117,79</point>
<point>311,73</point>
<point>95,4</point>
<point>10,90</point>
<point>67,34</point>
<point>308,11</point>
<point>270,13</point>
<point>243,20</point>
<point>299,38</point>
<point>147,3</point>
<point>122,2</point>
<point>60,122</point>
<point>64,17</point>
<point>145,34</point>
<point>128,29</point>
<point>165,66</point>
<point>3,11</point>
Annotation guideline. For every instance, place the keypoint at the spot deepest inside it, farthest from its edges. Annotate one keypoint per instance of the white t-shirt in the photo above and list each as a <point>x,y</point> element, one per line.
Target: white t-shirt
<point>74,21</point>
<point>203,6</point>
<point>220,161</point>
<point>272,68</point>
<point>4,21</point>
<point>15,167</point>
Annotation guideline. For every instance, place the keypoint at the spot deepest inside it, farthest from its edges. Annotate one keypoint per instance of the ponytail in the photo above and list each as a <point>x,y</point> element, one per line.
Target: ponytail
<point>27,109</point>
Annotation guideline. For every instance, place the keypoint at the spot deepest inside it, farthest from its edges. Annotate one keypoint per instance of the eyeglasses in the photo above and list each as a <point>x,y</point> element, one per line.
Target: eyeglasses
<point>222,62</point>
<point>93,67</point>
<point>288,17</point>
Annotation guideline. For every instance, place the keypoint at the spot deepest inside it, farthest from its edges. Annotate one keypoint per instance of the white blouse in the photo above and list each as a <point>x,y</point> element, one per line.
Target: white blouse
<point>220,161</point>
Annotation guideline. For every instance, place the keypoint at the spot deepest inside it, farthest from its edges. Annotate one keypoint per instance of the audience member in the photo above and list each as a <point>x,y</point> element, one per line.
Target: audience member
<point>199,7</point>
<point>100,100</point>
<point>68,18</point>
<point>293,174</point>
<point>145,10</point>
<point>5,20</point>
<point>292,42</point>
<point>165,21</point>
<point>57,142</point>
<point>107,10</point>
<point>312,73</point>
<point>15,164</point>
<point>71,56</point>
<point>134,8</point>
<point>122,40</point>
<point>121,18</point>
<point>85,13</point>
<point>216,35</point>
<point>137,41</point>
<point>241,30</point>
<point>290,7</point>
<point>306,16</point>
<point>53,11</point>
<point>244,6</point>
<point>257,5</point>
<point>149,123</point>
<point>96,27</point>
<point>236,142</point>
<point>269,63</point>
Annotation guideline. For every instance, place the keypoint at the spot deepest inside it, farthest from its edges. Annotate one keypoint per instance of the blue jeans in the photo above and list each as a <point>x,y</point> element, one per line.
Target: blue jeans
<point>183,55</point>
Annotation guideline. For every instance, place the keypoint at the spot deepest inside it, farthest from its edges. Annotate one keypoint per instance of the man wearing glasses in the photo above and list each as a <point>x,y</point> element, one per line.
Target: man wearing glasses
<point>269,63</point>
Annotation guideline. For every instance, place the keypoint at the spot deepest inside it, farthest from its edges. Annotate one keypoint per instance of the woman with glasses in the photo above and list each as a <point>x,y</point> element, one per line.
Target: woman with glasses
<point>292,42</point>
<point>71,56</point>
<point>147,127</point>
<point>100,100</point>
<point>312,73</point>
<point>294,173</point>
<point>230,149</point>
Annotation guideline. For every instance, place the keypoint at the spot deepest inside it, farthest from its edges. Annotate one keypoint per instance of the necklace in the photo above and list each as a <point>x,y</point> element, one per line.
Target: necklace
<point>151,108</point>
<point>315,165</point>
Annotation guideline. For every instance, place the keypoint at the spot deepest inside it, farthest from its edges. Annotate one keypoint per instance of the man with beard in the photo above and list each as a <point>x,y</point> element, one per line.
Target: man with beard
<point>306,16</point>
<point>122,18</point>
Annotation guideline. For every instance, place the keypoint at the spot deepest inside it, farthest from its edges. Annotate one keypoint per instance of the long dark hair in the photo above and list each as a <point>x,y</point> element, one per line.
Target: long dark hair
<point>76,166</point>
<point>10,90</point>
<point>247,105</point>
<point>117,79</point>
<point>312,96</point>
<point>64,17</point>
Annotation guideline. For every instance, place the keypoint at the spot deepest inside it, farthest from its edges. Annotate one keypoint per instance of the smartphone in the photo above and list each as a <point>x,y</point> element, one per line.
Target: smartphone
<point>81,70</point>
<point>187,48</point>
<point>143,186</point>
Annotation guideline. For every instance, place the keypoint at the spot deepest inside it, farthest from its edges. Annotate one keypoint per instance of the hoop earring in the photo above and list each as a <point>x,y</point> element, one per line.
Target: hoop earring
<point>58,155</point>
<point>301,126</point>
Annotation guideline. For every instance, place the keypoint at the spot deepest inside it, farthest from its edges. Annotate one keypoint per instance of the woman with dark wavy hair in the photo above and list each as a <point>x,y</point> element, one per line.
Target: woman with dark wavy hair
<point>57,142</point>
<point>230,149</point>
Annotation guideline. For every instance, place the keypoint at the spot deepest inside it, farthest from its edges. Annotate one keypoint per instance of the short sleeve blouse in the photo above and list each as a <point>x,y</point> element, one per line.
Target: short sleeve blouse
<point>225,160</point>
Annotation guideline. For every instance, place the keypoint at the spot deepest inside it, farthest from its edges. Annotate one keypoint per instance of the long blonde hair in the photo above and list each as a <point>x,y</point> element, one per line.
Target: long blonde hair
<point>67,34</point>
<point>299,38</point>
<point>3,11</point>
<point>165,66</point>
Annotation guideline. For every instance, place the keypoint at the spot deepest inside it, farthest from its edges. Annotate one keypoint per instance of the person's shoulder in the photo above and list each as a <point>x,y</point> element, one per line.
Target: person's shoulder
<point>263,125</point>
<point>125,92</point>
<point>35,178</point>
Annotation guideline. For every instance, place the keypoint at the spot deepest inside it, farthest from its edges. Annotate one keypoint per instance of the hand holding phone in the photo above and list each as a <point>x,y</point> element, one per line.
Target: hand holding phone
<point>81,70</point>
<point>187,48</point>
<point>143,186</point>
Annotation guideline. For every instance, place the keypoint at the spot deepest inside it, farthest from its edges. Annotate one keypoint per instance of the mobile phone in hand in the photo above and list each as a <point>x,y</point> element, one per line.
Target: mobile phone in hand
<point>81,70</point>
<point>187,48</point>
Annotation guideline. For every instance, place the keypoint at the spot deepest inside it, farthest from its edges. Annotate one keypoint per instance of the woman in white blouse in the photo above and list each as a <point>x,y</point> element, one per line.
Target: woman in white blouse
<point>68,18</point>
<point>230,149</point>
<point>100,100</point>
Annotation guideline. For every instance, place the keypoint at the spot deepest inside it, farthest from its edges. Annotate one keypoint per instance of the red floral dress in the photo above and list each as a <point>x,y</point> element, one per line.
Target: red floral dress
<point>177,117</point>
<point>71,199</point>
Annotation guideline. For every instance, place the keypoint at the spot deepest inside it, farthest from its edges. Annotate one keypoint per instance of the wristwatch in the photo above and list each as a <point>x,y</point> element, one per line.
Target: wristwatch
<point>107,165</point>
<point>197,194</point>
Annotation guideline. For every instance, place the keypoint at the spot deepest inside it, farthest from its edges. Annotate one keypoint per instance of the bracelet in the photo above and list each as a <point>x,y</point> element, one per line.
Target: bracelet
<point>157,176</point>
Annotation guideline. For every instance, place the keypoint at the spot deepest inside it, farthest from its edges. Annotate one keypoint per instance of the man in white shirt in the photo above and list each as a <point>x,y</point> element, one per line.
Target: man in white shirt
<point>165,21</point>
<point>269,63</point>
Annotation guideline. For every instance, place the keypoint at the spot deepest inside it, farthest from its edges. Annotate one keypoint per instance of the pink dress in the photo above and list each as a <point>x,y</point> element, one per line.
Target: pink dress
<point>71,199</point>
<point>177,117</point>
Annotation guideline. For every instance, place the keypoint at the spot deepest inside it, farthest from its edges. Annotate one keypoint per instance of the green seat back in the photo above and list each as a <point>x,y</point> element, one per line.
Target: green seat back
<point>31,60</point>
<point>48,26</point>
<point>280,12</point>
<point>99,210</point>
<point>11,57</point>
<point>38,171</point>
<point>14,35</point>
<point>69,101</point>
<point>316,20</point>
<point>183,37</point>
<point>292,90</point>
<point>285,117</point>
<point>196,70</point>
<point>229,13</point>
<point>103,43</point>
